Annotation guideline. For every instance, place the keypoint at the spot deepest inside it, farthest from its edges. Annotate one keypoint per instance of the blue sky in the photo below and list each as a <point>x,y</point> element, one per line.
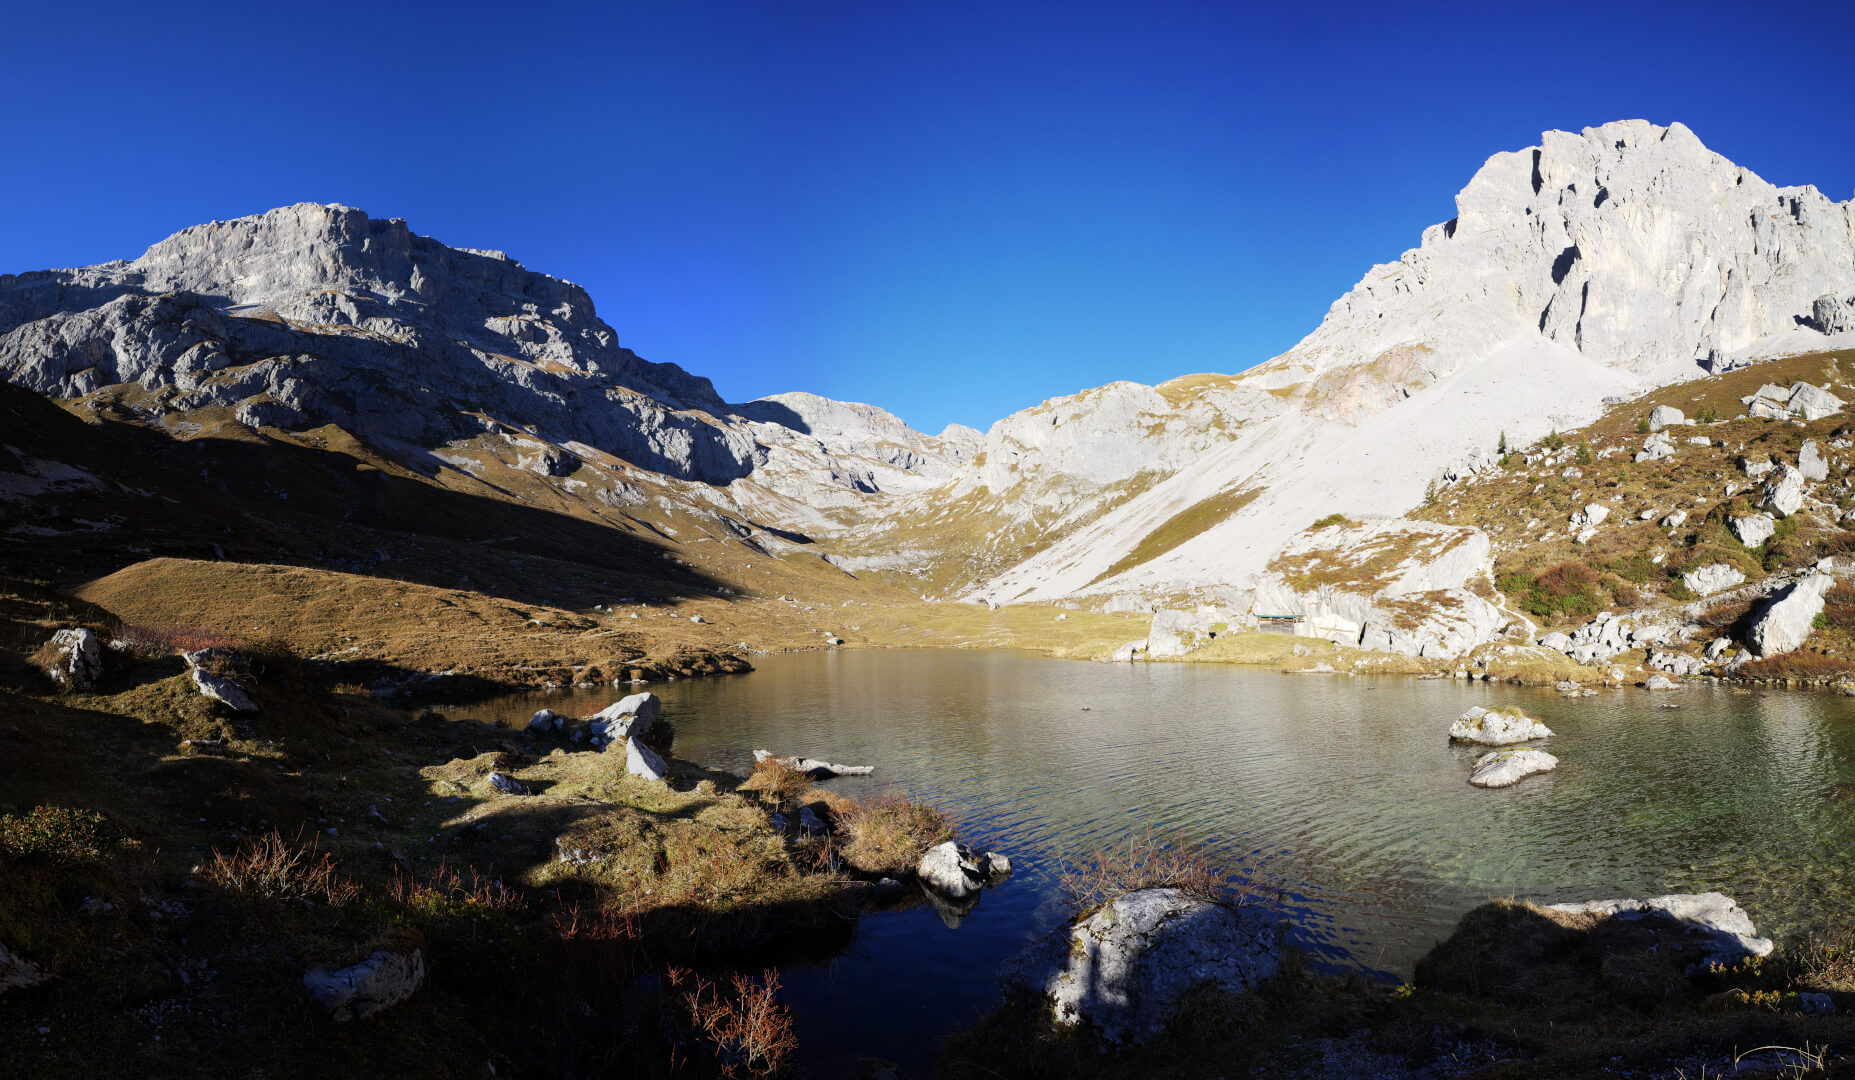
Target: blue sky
<point>950,210</point>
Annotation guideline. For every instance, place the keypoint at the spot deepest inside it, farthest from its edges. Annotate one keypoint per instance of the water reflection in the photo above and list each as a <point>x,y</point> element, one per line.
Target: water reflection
<point>1347,787</point>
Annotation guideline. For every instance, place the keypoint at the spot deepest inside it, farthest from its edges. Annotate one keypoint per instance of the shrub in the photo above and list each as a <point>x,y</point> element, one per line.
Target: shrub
<point>272,868</point>
<point>154,640</point>
<point>1802,664</point>
<point>446,892</point>
<point>1143,863</point>
<point>1839,607</point>
<point>744,1028</point>
<point>54,834</point>
<point>1636,567</point>
<point>1553,440</point>
<point>887,834</point>
<point>1642,426</point>
<point>1570,588</point>
<point>1331,519</point>
<point>1584,455</point>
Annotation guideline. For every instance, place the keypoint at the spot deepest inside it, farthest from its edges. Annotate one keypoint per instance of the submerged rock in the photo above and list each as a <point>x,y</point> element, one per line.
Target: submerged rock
<point>1124,969</point>
<point>957,871</point>
<point>1498,727</point>
<point>1727,930</point>
<point>1503,768</point>
<point>357,992</point>
<point>79,662</point>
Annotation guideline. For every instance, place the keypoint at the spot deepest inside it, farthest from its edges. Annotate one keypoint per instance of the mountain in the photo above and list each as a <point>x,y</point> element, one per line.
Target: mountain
<point>1590,269</point>
<point>1596,265</point>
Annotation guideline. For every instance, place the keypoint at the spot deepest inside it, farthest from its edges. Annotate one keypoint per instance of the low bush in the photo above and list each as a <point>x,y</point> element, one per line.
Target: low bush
<point>777,782</point>
<point>1331,519</point>
<point>1144,863</point>
<point>275,869</point>
<point>743,1028</point>
<point>1570,589</point>
<point>56,834</point>
<point>1802,664</point>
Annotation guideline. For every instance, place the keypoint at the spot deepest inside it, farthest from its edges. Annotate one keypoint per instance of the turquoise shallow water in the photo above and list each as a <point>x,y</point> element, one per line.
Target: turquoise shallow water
<point>1345,791</point>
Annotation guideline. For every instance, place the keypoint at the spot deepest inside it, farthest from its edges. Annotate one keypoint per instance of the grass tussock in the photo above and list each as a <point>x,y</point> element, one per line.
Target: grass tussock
<point>777,782</point>
<point>888,834</point>
<point>154,640</point>
<point>1801,664</point>
<point>274,868</point>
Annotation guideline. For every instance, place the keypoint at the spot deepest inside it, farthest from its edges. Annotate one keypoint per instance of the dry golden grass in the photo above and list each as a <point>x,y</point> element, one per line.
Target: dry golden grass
<point>888,834</point>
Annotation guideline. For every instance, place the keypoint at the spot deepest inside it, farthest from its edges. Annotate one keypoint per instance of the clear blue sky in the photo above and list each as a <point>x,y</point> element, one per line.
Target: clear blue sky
<point>951,210</point>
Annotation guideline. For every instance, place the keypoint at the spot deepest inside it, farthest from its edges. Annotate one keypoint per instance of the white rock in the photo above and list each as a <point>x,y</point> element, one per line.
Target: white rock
<point>1124,969</point>
<point>642,762</point>
<point>1592,514</point>
<point>1753,530</point>
<point>1756,469</point>
<point>545,720</point>
<point>957,871</point>
<point>1784,491</point>
<point>1660,682</point>
<point>359,991</point>
<point>1718,646</point>
<point>1129,651</point>
<point>222,689</point>
<point>1785,621</point>
<point>1501,768</point>
<point>818,769</point>
<point>1811,463</point>
<point>506,784</point>
<point>1498,727</point>
<point>1728,933</point>
<point>17,972</point>
<point>79,662</point>
<point>1675,520</point>
<point>1712,578</point>
<point>1666,416</point>
<point>629,717</point>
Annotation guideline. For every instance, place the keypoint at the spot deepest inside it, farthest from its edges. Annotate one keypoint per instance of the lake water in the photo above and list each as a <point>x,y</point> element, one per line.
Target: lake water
<point>1345,789</point>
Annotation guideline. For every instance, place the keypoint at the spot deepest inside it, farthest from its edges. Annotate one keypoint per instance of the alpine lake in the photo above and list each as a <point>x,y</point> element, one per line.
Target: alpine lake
<point>1342,795</point>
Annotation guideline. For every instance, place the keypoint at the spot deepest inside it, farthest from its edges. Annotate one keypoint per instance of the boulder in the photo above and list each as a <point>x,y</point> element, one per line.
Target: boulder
<point>1718,646</point>
<point>1675,664</point>
<point>1124,969</point>
<point>1727,933</point>
<point>1784,491</point>
<point>809,821</point>
<point>1809,402</point>
<point>1675,520</point>
<point>1811,462</point>
<point>957,871</point>
<point>359,991</point>
<point>1591,516</point>
<point>224,690</point>
<point>546,720</point>
<point>1786,619</point>
<point>1129,651</point>
<point>79,662</point>
<point>628,717</point>
<point>1656,447</point>
<point>1666,416</point>
<point>17,972</point>
<point>1753,530</point>
<point>819,770</point>
<point>1660,682</point>
<point>1502,768</point>
<point>1713,578</point>
<point>641,761</point>
<point>1498,727</point>
<point>1755,469</point>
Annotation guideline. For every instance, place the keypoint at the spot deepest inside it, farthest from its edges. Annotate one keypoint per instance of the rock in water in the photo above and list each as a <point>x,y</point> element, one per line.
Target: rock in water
<point>1660,682</point>
<point>1498,727</point>
<point>1712,578</point>
<point>818,770</point>
<point>80,659</point>
<point>1787,619</point>
<point>1728,931</point>
<point>641,761</point>
<point>379,982</point>
<point>1123,969</point>
<point>545,720</point>
<point>1503,768</point>
<point>629,716</point>
<point>954,870</point>
<point>1753,530</point>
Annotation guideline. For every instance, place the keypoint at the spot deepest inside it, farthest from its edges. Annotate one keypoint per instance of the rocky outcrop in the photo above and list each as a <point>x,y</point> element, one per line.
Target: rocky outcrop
<point>956,871</point>
<point>1785,620</point>
<point>1726,933</point>
<point>642,762</point>
<point>1498,727</point>
<point>1123,970</point>
<point>78,659</point>
<point>1784,491</point>
<point>361,990</point>
<point>629,717</point>
<point>1608,634</point>
<point>1504,768</point>
<point>217,686</point>
<point>1798,401</point>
